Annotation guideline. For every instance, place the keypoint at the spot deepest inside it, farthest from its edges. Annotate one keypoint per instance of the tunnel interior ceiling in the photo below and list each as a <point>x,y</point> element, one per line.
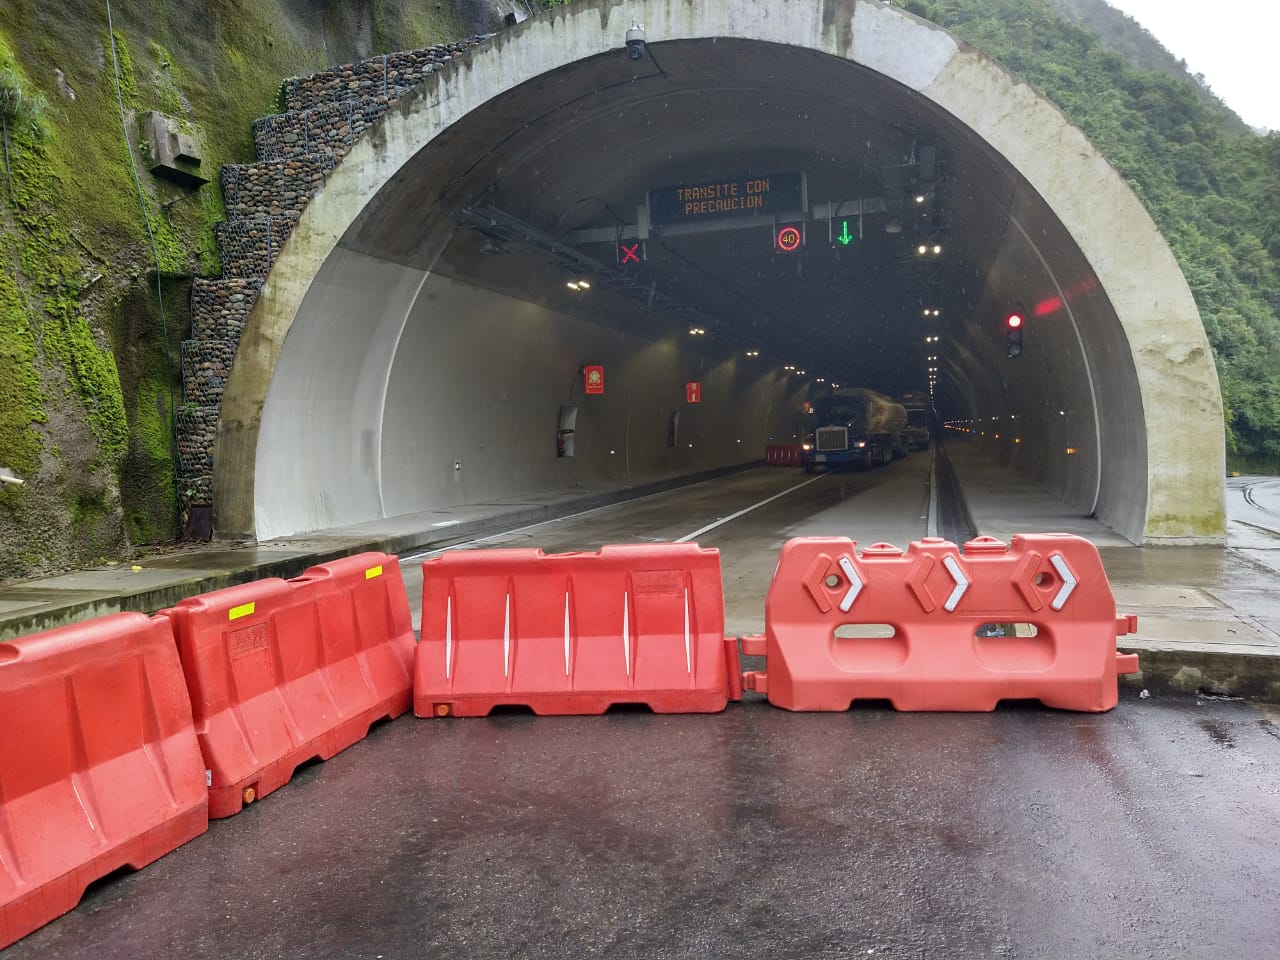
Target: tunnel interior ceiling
<point>579,148</point>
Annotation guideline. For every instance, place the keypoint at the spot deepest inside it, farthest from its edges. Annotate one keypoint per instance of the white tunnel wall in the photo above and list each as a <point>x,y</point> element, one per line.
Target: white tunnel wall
<point>322,419</point>
<point>369,412</point>
<point>486,395</point>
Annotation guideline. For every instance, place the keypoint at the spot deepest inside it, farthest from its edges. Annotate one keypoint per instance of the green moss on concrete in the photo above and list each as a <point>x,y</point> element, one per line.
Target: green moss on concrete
<point>1207,526</point>
<point>21,398</point>
<point>84,361</point>
<point>147,491</point>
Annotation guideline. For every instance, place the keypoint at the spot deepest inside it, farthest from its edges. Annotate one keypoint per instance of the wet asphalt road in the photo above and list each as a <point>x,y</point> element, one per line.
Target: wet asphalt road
<point>1149,832</point>
<point>1152,831</point>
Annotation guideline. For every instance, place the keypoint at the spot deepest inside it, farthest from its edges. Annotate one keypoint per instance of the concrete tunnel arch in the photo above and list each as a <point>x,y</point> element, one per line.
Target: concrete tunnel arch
<point>325,421</point>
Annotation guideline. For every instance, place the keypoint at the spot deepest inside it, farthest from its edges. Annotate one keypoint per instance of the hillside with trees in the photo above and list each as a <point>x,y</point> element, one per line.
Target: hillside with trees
<point>1211,185</point>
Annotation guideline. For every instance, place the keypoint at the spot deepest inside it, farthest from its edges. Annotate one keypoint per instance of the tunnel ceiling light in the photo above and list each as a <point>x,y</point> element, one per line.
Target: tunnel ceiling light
<point>922,249</point>
<point>822,379</point>
<point>789,366</point>
<point>919,198</point>
<point>578,285</point>
<point>936,249</point>
<point>696,331</point>
<point>753,353</point>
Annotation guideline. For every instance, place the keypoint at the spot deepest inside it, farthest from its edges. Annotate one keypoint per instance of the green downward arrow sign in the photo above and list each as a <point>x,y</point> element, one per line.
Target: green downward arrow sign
<point>845,236</point>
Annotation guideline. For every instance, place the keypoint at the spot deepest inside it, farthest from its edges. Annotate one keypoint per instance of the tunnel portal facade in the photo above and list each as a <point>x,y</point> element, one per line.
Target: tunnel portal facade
<point>367,383</point>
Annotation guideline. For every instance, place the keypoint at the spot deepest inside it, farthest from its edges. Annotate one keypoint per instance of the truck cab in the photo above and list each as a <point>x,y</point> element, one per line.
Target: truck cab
<point>853,428</point>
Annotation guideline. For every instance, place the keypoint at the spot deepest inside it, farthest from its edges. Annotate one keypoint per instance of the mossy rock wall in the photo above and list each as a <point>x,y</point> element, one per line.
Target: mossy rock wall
<point>98,257</point>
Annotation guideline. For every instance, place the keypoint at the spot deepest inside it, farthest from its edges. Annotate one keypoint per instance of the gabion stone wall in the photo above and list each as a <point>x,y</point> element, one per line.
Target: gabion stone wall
<point>250,246</point>
<point>296,150</point>
<point>220,308</point>
<point>198,430</point>
<point>273,188</point>
<point>388,75</point>
<point>206,364</point>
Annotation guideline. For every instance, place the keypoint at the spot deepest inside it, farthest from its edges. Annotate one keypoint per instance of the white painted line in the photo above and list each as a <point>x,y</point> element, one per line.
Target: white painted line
<point>755,506</point>
<point>962,583</point>
<point>566,633</point>
<point>463,544</point>
<point>448,637</point>
<point>626,629</point>
<point>688,654</point>
<point>1068,580</point>
<point>855,584</point>
<point>506,638</point>
<point>931,526</point>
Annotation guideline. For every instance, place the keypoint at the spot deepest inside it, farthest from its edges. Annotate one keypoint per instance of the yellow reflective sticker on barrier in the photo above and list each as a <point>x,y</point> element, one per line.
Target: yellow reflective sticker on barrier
<point>235,613</point>
<point>373,572</point>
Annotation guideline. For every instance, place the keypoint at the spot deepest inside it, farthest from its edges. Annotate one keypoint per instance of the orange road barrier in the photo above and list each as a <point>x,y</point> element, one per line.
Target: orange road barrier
<point>281,672</point>
<point>782,454</point>
<point>99,765</point>
<point>931,629</point>
<point>574,633</point>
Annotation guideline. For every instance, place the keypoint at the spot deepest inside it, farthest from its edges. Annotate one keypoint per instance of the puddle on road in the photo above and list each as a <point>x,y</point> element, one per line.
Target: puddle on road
<point>1217,732</point>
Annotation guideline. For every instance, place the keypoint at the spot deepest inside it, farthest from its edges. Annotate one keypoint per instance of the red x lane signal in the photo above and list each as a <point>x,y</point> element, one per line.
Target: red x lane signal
<point>630,252</point>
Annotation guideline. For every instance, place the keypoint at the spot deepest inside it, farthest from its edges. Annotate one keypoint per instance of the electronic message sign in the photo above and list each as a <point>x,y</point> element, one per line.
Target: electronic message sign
<point>774,194</point>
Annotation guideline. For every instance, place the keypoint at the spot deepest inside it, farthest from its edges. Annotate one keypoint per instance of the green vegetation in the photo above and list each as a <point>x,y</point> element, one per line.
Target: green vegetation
<point>1212,187</point>
<point>89,366</point>
<point>21,109</point>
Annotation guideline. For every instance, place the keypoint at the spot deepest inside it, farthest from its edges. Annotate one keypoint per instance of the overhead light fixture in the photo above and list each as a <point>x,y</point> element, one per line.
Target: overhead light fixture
<point>919,198</point>
<point>893,226</point>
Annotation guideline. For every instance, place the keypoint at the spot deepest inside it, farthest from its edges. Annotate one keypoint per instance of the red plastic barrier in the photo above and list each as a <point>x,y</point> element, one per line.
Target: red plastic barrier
<point>926,629</point>
<point>574,633</point>
<point>99,766</point>
<point>782,455</point>
<point>282,672</point>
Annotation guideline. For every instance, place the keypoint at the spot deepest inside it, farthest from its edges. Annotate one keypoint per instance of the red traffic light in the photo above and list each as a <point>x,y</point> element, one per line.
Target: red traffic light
<point>1013,321</point>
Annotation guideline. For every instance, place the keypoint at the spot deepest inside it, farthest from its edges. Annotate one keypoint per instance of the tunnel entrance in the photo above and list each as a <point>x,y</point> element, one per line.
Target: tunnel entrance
<point>766,204</point>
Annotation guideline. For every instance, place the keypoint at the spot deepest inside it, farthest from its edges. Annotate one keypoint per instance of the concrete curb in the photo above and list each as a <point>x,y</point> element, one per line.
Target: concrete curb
<point>1250,676</point>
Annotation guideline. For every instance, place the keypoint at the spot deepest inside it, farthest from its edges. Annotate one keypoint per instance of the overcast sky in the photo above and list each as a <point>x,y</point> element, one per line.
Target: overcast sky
<point>1231,42</point>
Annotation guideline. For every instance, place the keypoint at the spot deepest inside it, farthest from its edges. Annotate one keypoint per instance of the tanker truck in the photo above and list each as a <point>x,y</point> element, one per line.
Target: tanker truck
<point>916,432</point>
<point>853,427</point>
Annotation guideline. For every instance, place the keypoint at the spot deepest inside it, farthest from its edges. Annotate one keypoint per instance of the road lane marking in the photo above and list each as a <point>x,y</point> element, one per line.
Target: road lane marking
<point>463,544</point>
<point>931,524</point>
<point>755,506</point>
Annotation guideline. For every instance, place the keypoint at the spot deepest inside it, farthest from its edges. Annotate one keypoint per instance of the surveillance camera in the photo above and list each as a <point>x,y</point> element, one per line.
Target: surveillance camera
<point>635,41</point>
